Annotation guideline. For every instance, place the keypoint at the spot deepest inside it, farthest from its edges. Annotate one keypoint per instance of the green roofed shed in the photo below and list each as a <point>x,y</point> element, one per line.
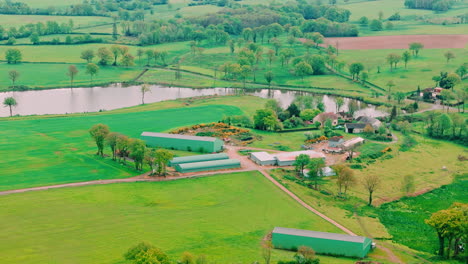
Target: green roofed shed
<point>198,158</point>
<point>182,142</point>
<point>208,165</point>
<point>321,242</point>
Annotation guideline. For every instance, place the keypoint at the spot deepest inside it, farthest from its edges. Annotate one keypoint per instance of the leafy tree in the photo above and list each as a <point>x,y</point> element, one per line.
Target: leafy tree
<point>116,50</point>
<point>123,143</point>
<point>317,38</point>
<point>232,45</point>
<point>345,179</point>
<point>274,105</point>
<point>13,56</point>
<point>300,163</point>
<point>140,52</point>
<point>145,253</point>
<point>270,55</point>
<point>72,72</point>
<point>99,133</point>
<point>406,56</point>
<point>462,70</point>
<point>34,38</point>
<point>388,25</point>
<point>263,119</point>
<point>353,107</point>
<point>376,25</point>
<point>163,157</point>
<point>294,110</point>
<point>315,166</point>
<point>363,21</point>
<point>371,182</point>
<point>137,149</point>
<point>10,102</point>
<point>111,141</point>
<point>127,60</point>
<point>149,56</point>
<point>187,258</point>
<point>277,45</point>
<point>105,56</point>
<point>364,77</point>
<point>87,55</point>
<point>11,41</point>
<point>448,80</point>
<point>355,69</point>
<point>449,55</point>
<point>309,114</point>
<point>399,96</point>
<point>308,44</point>
<point>92,69</point>
<point>269,77</point>
<point>302,69</point>
<point>144,89</point>
<point>393,60</point>
<point>339,103</point>
<point>415,47</point>
<point>368,129</point>
<point>13,75</point>
<point>245,72</point>
<point>390,84</point>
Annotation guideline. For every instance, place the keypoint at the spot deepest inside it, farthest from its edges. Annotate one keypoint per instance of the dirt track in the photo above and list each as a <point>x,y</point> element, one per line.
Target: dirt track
<point>399,42</point>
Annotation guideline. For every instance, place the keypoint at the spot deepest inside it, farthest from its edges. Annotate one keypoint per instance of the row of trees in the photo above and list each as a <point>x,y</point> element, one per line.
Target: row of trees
<point>39,29</point>
<point>123,147</point>
<point>110,55</point>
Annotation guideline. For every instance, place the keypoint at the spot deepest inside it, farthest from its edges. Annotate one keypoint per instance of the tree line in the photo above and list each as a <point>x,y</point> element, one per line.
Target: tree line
<point>122,148</point>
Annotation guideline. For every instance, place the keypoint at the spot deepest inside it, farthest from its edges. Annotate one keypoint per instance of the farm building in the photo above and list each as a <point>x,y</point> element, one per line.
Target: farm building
<point>182,142</point>
<point>354,128</point>
<point>198,158</point>
<point>208,165</point>
<point>327,172</point>
<point>375,123</point>
<point>335,142</point>
<point>348,144</point>
<point>263,158</point>
<point>323,117</point>
<point>288,158</point>
<point>321,242</point>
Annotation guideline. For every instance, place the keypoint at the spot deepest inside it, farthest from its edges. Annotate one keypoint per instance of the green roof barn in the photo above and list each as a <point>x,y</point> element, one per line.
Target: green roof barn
<point>198,158</point>
<point>321,242</point>
<point>208,165</point>
<point>182,142</point>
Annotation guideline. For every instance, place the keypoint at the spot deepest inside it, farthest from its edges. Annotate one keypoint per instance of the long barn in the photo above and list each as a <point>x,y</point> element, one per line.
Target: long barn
<point>182,142</point>
<point>321,242</point>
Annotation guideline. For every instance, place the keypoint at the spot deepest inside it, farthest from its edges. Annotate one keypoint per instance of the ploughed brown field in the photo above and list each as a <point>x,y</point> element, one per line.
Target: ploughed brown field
<point>398,42</point>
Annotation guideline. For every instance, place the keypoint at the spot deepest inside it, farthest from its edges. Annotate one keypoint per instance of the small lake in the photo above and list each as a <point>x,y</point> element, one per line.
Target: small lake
<point>80,100</point>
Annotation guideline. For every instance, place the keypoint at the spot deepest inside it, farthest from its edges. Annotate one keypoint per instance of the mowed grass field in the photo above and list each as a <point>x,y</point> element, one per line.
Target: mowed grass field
<point>420,70</point>
<point>41,75</point>
<point>45,151</point>
<point>78,21</point>
<point>224,217</point>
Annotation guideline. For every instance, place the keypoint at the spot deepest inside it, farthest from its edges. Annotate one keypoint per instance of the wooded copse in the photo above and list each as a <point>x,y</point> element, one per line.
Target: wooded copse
<point>124,148</point>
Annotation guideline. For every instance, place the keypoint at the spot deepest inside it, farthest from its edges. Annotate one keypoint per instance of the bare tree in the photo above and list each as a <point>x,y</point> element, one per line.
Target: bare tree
<point>13,75</point>
<point>371,183</point>
<point>144,89</point>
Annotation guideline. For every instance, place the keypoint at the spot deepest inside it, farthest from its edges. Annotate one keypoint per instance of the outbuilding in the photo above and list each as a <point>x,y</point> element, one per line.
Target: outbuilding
<point>321,242</point>
<point>354,128</point>
<point>182,142</point>
<point>198,158</point>
<point>208,165</point>
<point>348,144</point>
<point>263,158</point>
<point>288,158</point>
<point>335,142</point>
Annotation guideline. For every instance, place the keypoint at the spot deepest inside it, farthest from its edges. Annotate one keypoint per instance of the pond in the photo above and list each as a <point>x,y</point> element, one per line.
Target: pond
<point>80,100</point>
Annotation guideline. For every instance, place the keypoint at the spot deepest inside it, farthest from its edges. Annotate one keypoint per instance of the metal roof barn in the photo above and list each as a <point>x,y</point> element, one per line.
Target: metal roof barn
<point>321,242</point>
<point>263,158</point>
<point>198,158</point>
<point>208,165</point>
<point>288,158</point>
<point>182,142</point>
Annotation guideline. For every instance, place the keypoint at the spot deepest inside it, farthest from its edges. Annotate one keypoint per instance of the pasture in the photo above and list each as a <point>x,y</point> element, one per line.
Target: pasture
<point>78,21</point>
<point>43,75</point>
<point>404,218</point>
<point>48,3</point>
<point>223,216</point>
<point>52,150</point>
<point>420,70</point>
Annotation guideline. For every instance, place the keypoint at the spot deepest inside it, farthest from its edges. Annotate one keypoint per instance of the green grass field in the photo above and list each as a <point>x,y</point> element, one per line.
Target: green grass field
<point>60,150</point>
<point>78,21</point>
<point>42,75</point>
<point>223,217</point>
<point>405,218</point>
<point>419,70</point>
<point>48,3</point>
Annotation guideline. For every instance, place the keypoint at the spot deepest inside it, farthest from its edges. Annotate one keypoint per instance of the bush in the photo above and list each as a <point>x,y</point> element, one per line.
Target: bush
<point>408,143</point>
